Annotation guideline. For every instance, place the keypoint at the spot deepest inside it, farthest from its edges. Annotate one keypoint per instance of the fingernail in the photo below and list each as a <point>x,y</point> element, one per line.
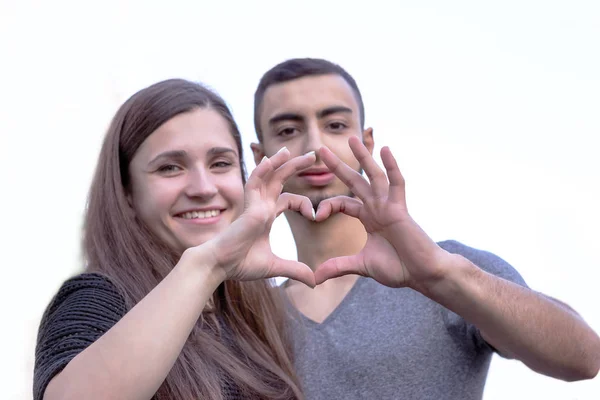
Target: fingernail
<point>314,215</point>
<point>282,149</point>
<point>310,153</point>
<point>263,159</point>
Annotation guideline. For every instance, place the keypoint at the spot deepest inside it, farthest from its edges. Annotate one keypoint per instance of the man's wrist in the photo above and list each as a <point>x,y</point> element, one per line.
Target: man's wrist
<point>460,280</point>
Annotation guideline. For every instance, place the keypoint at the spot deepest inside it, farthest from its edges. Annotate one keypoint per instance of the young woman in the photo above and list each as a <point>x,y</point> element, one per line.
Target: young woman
<point>174,303</point>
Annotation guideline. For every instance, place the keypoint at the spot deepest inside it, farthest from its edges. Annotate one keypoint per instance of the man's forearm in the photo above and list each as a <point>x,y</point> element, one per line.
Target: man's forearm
<point>546,335</point>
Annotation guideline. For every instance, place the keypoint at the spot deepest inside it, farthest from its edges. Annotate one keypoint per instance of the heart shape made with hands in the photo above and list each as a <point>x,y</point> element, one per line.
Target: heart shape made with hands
<point>397,252</point>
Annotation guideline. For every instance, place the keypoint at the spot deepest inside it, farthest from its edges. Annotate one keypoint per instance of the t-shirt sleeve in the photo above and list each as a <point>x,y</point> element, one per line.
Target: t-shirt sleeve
<point>490,263</point>
<point>485,260</point>
<point>84,308</point>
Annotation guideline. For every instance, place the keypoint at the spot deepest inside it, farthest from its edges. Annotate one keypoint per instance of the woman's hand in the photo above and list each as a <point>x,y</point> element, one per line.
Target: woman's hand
<point>243,251</point>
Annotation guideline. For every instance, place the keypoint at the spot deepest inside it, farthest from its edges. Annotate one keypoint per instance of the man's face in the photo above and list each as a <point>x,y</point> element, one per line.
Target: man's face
<point>303,115</point>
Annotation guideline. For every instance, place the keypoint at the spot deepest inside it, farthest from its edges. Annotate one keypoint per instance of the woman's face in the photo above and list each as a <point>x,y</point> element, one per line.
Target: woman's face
<point>186,180</point>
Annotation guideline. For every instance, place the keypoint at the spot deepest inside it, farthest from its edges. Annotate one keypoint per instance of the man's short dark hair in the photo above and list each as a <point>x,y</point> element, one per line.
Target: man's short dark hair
<point>298,68</point>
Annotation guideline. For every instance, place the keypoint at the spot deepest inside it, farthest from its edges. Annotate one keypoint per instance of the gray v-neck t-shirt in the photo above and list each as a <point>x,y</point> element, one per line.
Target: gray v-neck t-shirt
<point>384,343</point>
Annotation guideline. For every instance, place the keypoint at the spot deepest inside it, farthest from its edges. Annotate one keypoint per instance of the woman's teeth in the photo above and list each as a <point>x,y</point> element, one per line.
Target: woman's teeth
<point>200,214</point>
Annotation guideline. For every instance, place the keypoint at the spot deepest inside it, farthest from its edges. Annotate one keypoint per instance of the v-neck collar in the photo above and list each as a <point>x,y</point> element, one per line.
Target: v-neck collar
<point>332,315</point>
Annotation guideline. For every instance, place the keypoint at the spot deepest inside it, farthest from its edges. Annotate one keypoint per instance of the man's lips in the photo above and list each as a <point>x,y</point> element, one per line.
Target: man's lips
<point>315,171</point>
<point>317,176</point>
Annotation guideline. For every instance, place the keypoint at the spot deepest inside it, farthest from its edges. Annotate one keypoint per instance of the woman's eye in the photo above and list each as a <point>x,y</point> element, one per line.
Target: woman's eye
<point>169,168</point>
<point>222,164</point>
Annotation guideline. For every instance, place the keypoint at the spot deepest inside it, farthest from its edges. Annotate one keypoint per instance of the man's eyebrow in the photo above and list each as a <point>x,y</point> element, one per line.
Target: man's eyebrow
<point>169,154</point>
<point>333,110</point>
<point>298,118</point>
<point>285,117</point>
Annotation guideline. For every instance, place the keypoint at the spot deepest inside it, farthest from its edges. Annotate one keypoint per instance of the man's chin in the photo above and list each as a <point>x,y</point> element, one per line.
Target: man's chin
<point>316,195</point>
<point>317,199</point>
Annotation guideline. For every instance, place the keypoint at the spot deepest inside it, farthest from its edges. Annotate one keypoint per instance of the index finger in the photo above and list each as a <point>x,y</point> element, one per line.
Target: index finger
<point>266,167</point>
<point>293,166</point>
<point>351,178</point>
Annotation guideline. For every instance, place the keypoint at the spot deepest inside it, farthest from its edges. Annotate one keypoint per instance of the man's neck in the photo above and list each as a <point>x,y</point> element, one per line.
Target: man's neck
<point>317,242</point>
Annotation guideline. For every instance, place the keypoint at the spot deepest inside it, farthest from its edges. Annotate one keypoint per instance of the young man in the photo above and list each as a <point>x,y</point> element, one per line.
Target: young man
<point>427,324</point>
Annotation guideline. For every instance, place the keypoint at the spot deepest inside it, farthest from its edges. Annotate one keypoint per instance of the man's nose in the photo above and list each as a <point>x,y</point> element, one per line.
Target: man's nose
<point>314,140</point>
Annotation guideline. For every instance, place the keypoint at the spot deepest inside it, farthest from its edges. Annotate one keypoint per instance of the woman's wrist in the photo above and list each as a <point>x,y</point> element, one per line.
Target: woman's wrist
<point>199,266</point>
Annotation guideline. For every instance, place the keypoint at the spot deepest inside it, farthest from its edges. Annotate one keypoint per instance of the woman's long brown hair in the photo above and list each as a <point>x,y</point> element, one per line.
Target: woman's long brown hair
<point>253,352</point>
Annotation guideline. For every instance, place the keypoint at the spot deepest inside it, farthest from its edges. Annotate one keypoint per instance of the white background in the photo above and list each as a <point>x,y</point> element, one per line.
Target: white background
<point>492,109</point>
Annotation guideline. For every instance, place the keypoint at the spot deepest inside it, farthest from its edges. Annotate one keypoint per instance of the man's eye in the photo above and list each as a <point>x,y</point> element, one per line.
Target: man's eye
<point>287,132</point>
<point>336,126</point>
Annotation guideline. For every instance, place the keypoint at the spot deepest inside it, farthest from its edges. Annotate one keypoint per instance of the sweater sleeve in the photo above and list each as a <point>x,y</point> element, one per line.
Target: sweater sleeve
<point>85,307</point>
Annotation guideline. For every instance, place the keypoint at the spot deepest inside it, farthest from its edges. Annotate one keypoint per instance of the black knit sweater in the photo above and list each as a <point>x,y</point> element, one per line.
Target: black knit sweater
<point>84,308</point>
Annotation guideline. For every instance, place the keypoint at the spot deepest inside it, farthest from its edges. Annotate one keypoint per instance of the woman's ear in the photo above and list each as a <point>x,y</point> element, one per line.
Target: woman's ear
<point>129,197</point>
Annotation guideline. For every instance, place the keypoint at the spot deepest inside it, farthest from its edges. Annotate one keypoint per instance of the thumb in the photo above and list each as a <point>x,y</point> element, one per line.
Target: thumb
<point>339,266</point>
<point>292,269</point>
<point>295,202</point>
<point>339,204</point>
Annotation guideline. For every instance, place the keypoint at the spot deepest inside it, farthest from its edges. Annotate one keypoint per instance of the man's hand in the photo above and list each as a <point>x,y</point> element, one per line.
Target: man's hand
<point>398,252</point>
